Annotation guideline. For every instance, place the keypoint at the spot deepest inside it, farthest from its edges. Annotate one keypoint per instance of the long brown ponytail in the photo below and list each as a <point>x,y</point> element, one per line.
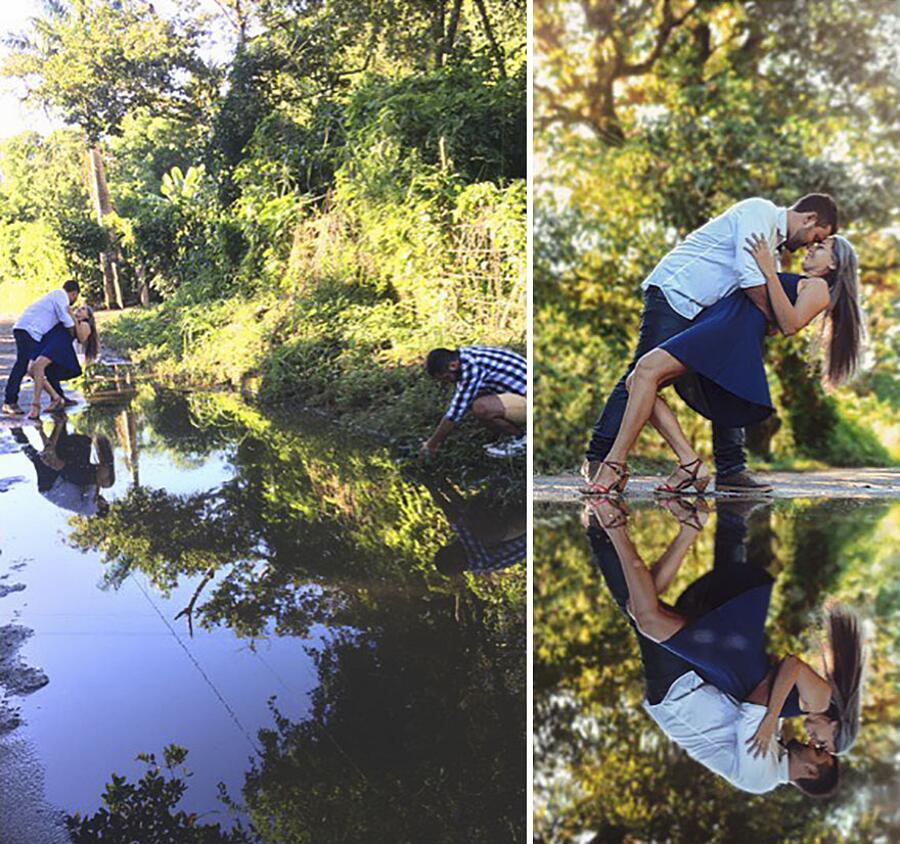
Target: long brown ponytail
<point>846,325</point>
<point>845,675</point>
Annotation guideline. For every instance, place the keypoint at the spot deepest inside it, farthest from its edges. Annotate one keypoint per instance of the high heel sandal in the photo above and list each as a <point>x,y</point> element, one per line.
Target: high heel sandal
<point>692,519</point>
<point>619,517</point>
<point>35,413</point>
<point>617,486</point>
<point>56,406</point>
<point>693,480</point>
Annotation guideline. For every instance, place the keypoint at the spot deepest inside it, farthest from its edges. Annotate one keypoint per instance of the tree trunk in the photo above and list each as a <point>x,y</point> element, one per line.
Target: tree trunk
<point>489,32</point>
<point>112,289</point>
<point>143,284</point>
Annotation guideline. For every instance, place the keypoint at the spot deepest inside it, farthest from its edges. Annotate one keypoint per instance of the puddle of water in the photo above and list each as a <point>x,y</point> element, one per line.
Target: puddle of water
<point>266,597</point>
<point>604,770</point>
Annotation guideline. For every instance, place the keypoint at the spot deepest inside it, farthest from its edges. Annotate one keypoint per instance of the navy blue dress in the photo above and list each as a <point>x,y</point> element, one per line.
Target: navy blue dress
<point>727,646</point>
<point>723,348</point>
<point>57,345</point>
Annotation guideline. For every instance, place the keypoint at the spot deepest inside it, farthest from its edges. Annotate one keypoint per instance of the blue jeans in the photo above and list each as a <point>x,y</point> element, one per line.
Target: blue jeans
<point>659,322</point>
<point>25,347</point>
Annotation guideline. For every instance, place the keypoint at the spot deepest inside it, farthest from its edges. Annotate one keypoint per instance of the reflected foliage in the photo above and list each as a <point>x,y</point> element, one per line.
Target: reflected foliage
<point>602,765</point>
<point>421,677</point>
<point>146,810</point>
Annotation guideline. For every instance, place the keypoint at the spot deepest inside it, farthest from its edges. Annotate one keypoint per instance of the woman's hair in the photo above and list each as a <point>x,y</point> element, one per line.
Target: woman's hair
<point>845,675</point>
<point>92,344</point>
<point>847,329</point>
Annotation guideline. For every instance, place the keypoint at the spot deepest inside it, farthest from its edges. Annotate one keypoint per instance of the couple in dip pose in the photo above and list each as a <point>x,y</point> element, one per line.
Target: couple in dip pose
<point>45,336</point>
<point>708,305</point>
<point>711,683</point>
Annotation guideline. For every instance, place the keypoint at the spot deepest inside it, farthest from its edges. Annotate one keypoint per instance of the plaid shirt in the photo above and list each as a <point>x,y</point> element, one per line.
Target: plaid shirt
<point>484,369</point>
<point>481,558</point>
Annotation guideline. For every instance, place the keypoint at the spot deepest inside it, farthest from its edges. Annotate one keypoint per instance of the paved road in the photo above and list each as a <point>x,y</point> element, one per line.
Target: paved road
<point>833,483</point>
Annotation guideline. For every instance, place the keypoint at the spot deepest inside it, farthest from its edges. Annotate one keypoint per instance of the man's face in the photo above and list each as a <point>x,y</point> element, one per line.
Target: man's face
<point>807,231</point>
<point>451,376</point>
<point>811,760</point>
<point>72,297</point>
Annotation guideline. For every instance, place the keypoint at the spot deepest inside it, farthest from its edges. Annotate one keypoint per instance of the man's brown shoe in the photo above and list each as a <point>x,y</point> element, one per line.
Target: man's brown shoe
<point>742,482</point>
<point>12,410</point>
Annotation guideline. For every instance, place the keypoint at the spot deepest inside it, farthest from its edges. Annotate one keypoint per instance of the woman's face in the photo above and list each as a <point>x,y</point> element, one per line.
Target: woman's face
<point>819,260</point>
<point>820,730</point>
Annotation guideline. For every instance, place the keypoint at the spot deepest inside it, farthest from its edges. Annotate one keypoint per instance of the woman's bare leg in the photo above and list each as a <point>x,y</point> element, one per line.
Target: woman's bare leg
<point>666,422</point>
<point>653,370</point>
<point>654,620</point>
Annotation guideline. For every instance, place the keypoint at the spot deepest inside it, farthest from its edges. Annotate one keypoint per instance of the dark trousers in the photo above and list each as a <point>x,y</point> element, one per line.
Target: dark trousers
<point>659,322</point>
<point>25,347</point>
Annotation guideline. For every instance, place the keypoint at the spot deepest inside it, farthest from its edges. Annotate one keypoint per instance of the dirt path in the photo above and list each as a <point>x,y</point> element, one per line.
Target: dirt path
<point>7,359</point>
<point>832,483</point>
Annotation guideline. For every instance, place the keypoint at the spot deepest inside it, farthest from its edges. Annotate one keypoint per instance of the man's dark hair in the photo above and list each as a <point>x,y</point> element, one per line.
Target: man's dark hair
<point>826,783</point>
<point>824,207</point>
<point>71,287</point>
<point>439,360</point>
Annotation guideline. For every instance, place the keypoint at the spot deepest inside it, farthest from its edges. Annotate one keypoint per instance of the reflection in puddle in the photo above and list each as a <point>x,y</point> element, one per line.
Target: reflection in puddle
<point>648,741</point>
<point>257,605</point>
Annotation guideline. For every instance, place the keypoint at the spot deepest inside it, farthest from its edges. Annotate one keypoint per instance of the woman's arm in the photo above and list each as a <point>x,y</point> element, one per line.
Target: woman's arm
<point>811,300</point>
<point>814,691</point>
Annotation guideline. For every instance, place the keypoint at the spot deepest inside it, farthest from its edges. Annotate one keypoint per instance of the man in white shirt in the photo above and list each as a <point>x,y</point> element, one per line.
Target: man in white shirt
<point>29,330</point>
<point>708,265</point>
<point>709,725</point>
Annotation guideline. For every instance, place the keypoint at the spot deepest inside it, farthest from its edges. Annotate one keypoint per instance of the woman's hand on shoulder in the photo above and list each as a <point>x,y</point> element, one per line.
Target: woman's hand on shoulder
<point>758,248</point>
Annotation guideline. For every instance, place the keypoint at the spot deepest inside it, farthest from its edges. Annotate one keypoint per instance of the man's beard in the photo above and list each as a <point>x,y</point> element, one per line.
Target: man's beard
<point>793,243</point>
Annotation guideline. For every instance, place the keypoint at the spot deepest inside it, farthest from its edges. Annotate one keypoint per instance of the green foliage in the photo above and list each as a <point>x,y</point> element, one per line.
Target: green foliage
<point>146,811</point>
<point>351,197</point>
<point>421,677</point>
<point>603,766</point>
<point>647,124</point>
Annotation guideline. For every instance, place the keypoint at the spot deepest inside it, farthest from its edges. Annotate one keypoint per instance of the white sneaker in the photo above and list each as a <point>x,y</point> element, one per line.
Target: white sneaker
<point>510,448</point>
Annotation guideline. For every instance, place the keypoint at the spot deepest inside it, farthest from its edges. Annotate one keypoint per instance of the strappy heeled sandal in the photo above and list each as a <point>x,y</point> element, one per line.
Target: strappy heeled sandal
<point>56,406</point>
<point>35,413</point>
<point>617,487</point>
<point>693,480</point>
<point>620,517</point>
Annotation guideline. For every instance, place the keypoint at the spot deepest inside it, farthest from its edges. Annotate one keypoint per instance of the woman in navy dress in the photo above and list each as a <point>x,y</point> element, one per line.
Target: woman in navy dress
<point>721,632</point>
<point>717,364</point>
<point>56,355</point>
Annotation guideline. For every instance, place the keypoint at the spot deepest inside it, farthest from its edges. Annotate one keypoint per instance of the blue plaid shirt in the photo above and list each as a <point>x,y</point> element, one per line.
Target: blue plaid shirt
<point>484,369</point>
<point>481,558</point>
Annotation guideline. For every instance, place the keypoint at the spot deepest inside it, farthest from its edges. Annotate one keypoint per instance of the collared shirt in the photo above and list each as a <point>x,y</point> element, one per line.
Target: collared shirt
<point>74,497</point>
<point>713,728</point>
<point>40,316</point>
<point>711,263</point>
<point>481,558</point>
<point>484,369</point>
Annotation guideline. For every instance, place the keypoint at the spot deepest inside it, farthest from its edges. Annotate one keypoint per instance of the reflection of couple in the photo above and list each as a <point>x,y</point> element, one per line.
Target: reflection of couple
<point>45,336</point>
<point>711,686</point>
<point>706,309</point>
<point>66,475</point>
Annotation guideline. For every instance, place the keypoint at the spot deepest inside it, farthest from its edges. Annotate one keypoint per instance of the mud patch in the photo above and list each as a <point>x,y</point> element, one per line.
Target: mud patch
<point>16,678</point>
<point>7,483</point>
<point>8,590</point>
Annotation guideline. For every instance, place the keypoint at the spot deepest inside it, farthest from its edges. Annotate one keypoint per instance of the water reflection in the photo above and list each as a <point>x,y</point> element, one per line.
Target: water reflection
<point>490,532</point>
<point>607,771</point>
<point>268,600</point>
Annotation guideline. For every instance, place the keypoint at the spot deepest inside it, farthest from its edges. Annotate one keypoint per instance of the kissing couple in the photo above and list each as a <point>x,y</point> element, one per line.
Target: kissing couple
<point>708,306</point>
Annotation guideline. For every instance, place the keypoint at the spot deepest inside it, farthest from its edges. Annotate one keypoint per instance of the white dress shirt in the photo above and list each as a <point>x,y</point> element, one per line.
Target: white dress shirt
<point>713,728</point>
<point>40,316</point>
<point>710,263</point>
